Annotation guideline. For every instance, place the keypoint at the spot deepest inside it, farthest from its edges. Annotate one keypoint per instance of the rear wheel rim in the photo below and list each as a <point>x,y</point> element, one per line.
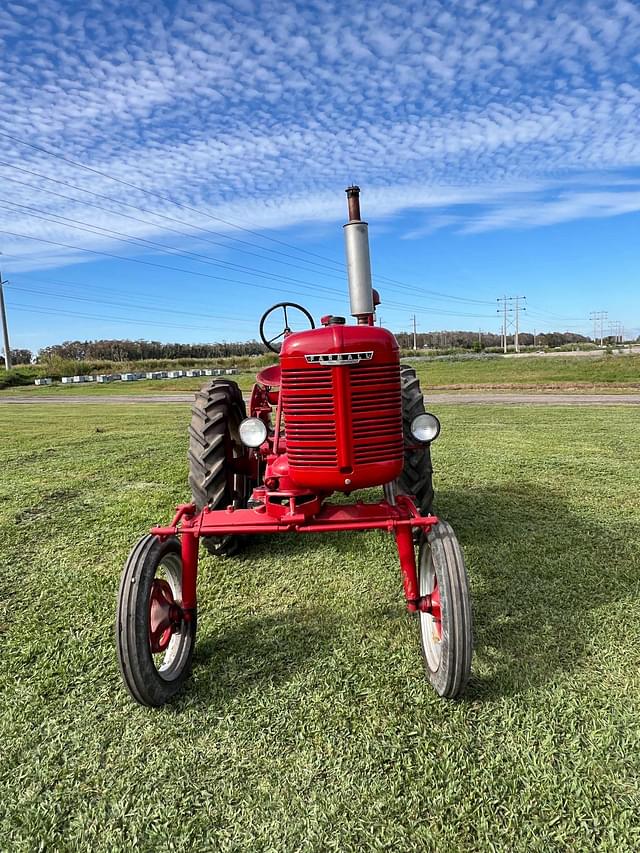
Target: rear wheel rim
<point>169,641</point>
<point>430,626</point>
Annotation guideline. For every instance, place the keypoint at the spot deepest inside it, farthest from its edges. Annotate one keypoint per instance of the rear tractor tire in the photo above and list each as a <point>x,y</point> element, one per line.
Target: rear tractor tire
<point>214,442</point>
<point>417,475</point>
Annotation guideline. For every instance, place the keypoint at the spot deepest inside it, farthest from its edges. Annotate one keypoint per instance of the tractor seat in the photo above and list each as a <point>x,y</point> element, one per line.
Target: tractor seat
<point>270,376</point>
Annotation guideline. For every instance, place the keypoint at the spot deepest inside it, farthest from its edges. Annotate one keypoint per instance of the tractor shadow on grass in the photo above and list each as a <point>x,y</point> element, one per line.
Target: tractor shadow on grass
<point>260,651</point>
<point>544,583</point>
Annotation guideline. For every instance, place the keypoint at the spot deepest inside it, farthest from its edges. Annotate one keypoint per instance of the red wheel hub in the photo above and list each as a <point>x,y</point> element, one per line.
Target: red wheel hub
<point>165,615</point>
<point>435,609</point>
<point>430,604</point>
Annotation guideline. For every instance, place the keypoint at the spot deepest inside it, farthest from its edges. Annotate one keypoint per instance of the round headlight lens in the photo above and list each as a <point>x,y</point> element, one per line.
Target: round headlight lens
<point>425,427</point>
<point>253,432</point>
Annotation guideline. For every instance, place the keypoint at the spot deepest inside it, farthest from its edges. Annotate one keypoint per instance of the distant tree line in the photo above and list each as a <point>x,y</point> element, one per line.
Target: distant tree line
<point>116,350</point>
<point>482,340</point>
<point>125,350</point>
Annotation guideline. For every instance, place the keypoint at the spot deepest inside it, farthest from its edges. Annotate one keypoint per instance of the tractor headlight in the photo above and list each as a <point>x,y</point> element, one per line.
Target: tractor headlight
<point>253,432</point>
<point>425,427</point>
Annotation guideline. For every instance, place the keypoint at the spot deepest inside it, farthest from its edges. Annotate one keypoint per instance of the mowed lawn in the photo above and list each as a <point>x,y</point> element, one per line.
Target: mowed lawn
<point>308,724</point>
<point>245,380</point>
<point>580,373</point>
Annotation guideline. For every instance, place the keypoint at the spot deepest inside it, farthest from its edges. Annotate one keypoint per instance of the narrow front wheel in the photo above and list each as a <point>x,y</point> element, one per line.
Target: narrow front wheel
<point>446,632</point>
<point>154,637</point>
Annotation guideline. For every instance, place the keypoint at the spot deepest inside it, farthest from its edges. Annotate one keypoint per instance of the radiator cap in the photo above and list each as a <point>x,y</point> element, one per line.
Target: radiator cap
<point>331,320</point>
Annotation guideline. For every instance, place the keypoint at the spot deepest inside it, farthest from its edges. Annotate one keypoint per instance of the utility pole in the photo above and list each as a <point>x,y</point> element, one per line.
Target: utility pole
<point>504,324</point>
<point>415,340</point>
<point>598,317</point>
<point>518,309</point>
<point>5,328</point>
<point>617,331</point>
<point>506,310</point>
<point>504,321</point>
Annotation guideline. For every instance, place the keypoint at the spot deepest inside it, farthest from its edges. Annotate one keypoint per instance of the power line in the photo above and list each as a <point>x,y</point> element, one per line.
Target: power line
<point>537,312</point>
<point>145,263</point>
<point>18,306</point>
<point>227,238</point>
<point>392,304</point>
<point>147,307</point>
<point>79,225</point>
<point>161,197</point>
<point>164,198</point>
<point>435,293</point>
<point>147,301</point>
<point>121,236</point>
<point>85,286</point>
<point>335,264</point>
<point>396,284</point>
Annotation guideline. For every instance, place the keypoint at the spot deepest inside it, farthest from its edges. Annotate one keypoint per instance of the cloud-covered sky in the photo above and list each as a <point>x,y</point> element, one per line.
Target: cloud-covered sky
<point>466,117</point>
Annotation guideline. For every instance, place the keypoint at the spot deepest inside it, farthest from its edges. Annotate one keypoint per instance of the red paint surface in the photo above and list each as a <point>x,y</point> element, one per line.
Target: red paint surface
<point>343,423</point>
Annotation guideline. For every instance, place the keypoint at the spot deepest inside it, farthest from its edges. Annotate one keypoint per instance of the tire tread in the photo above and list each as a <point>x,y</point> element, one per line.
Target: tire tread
<point>454,671</point>
<point>417,475</point>
<point>218,408</point>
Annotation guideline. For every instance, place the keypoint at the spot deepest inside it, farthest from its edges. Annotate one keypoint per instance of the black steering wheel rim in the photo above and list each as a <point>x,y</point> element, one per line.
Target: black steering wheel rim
<point>286,330</point>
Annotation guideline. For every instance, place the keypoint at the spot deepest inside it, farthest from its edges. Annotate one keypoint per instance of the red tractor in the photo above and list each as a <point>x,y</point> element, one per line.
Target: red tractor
<point>339,413</point>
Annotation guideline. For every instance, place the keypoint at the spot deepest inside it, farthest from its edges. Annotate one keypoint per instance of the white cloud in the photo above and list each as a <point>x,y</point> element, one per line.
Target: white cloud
<point>255,114</point>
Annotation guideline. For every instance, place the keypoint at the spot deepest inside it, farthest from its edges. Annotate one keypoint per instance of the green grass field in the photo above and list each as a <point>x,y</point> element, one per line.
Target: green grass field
<point>536,373</point>
<point>607,373</point>
<point>309,724</point>
<point>141,387</point>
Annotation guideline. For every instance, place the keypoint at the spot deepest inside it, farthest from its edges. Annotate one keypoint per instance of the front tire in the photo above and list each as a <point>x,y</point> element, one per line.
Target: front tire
<point>154,643</point>
<point>447,635</point>
<point>417,475</point>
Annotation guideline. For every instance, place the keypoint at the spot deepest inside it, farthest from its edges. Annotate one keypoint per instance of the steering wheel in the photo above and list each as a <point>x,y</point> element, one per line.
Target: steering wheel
<point>287,329</point>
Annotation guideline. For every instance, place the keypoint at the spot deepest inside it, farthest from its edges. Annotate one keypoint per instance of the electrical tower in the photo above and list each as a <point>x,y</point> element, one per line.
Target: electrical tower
<point>616,331</point>
<point>598,318</point>
<point>510,311</point>
<point>415,339</point>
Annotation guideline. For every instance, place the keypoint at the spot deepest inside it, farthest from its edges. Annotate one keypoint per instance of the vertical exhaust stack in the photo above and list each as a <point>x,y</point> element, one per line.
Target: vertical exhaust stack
<point>356,243</point>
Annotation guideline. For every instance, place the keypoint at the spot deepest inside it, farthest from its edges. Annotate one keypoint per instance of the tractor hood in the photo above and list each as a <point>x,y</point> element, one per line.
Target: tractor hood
<point>347,345</point>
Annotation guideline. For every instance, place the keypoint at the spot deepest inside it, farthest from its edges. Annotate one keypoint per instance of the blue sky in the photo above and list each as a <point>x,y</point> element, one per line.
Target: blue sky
<point>497,146</point>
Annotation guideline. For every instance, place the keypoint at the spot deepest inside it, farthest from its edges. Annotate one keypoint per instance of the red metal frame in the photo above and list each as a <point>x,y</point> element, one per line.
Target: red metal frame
<point>352,410</point>
<point>291,517</point>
